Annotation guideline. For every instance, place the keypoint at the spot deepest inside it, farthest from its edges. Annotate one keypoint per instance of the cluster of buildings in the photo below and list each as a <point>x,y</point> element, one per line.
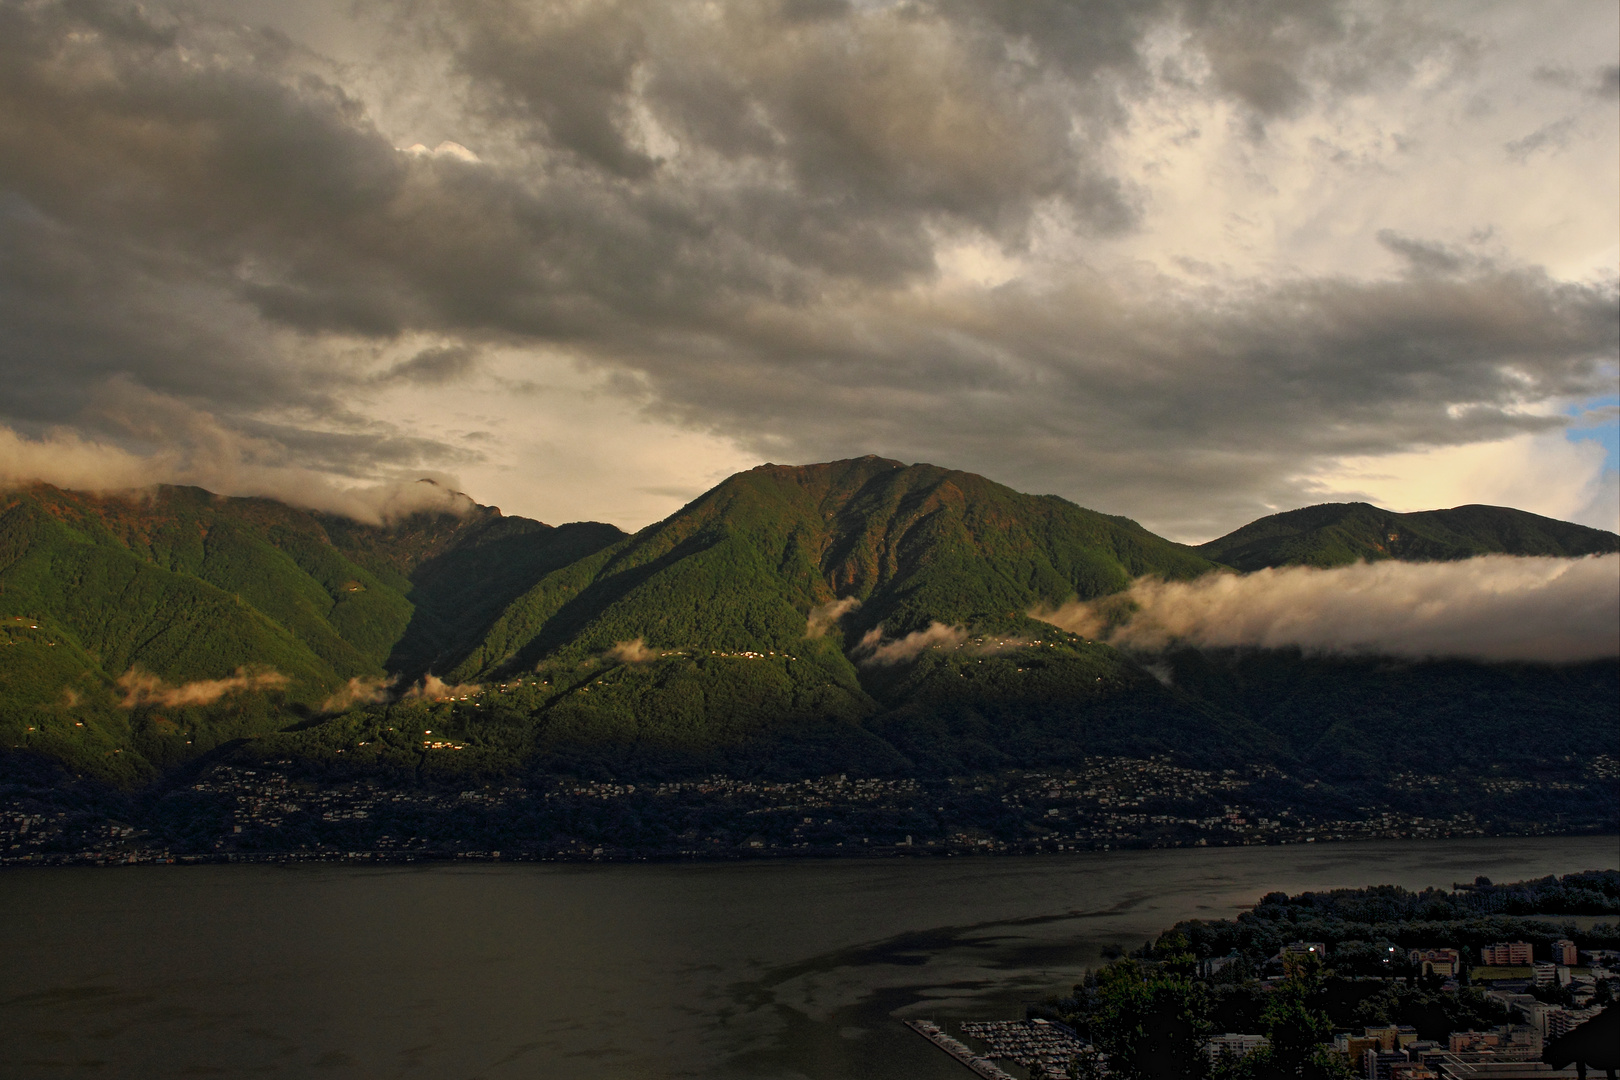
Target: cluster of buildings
<point>1509,1052</point>
<point>1118,802</point>
<point>823,791</point>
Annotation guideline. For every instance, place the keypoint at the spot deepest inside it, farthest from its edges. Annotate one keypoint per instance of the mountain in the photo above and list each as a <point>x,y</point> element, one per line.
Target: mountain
<point>1335,534</point>
<point>741,567</point>
<point>224,613</point>
<point>859,615</point>
<point>696,634</point>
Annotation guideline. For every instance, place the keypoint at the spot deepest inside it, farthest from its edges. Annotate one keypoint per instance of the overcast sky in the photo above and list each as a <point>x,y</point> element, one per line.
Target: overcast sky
<point>1188,261</point>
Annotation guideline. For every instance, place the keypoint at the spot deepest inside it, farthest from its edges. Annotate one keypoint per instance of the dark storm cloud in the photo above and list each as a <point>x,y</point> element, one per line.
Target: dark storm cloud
<point>1274,58</point>
<point>1103,395</point>
<point>740,204</point>
<point>865,121</point>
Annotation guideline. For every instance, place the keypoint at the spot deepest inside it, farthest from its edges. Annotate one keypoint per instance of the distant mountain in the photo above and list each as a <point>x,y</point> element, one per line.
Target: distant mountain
<point>1335,534</point>
<point>862,615</point>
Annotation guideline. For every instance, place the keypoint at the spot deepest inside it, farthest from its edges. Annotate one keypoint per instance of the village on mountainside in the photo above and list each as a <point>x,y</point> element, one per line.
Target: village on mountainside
<point>272,811</point>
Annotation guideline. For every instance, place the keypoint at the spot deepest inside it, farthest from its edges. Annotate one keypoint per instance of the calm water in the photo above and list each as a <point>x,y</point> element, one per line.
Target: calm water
<point>724,971</point>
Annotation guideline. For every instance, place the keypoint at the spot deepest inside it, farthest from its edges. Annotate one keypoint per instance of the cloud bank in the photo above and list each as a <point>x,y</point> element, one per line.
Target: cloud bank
<point>176,444</point>
<point>1493,608</point>
<point>360,690</point>
<point>433,688</point>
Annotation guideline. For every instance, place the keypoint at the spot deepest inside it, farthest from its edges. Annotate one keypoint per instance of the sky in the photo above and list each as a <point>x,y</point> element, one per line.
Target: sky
<point>1189,261</point>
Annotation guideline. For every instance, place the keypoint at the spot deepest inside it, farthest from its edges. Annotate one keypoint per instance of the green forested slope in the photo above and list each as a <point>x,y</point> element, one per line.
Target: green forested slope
<point>718,596</point>
<point>1335,534</point>
<point>741,567</point>
<point>184,587</point>
<point>690,646</point>
<point>165,590</point>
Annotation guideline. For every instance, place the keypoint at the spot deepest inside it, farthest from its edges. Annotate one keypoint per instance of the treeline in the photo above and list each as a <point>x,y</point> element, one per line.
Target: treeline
<point>1360,926</point>
<point>1592,892</point>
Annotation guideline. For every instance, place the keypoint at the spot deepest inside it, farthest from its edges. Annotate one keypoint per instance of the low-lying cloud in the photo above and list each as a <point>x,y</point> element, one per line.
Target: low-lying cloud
<point>824,617</point>
<point>433,688</point>
<point>632,652</point>
<point>874,649</point>
<point>142,688</point>
<point>360,690</point>
<point>1493,608</point>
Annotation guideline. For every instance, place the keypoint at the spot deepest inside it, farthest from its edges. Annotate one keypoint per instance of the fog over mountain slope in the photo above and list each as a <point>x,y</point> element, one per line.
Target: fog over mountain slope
<point>1490,607</point>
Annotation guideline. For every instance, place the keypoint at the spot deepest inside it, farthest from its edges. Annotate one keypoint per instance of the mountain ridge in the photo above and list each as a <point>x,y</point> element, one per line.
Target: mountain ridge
<point>692,641</point>
<point>891,536</point>
<point>1335,534</point>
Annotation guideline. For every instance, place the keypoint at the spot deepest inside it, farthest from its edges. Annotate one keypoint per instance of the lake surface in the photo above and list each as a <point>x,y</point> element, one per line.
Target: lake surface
<point>762,969</point>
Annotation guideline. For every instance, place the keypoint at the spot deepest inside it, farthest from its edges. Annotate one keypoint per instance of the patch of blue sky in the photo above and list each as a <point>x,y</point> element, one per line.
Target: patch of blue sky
<point>1597,419</point>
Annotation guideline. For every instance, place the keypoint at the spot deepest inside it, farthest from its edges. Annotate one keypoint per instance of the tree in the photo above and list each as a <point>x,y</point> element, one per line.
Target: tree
<point>1150,1022</point>
<point>1089,1064</point>
<point>1297,1027</point>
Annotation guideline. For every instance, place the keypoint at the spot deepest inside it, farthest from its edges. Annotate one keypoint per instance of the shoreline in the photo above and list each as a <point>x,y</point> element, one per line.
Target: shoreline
<point>871,853</point>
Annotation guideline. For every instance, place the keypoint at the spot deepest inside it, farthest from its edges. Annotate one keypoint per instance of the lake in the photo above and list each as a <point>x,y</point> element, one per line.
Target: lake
<point>751,969</point>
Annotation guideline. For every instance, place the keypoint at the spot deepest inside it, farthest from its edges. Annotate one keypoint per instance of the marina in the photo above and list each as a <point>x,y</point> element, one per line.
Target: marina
<point>981,1065</point>
<point>1043,1047</point>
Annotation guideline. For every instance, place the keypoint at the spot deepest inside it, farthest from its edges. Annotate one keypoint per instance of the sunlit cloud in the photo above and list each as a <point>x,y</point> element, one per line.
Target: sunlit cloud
<point>1495,607</point>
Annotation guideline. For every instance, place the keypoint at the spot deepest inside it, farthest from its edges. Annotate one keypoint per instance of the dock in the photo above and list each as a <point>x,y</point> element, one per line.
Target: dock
<point>936,1035</point>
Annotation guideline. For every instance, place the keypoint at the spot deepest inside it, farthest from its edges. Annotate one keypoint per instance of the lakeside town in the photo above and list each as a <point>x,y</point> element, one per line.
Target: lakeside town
<point>273,811</point>
<point>1540,993</point>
